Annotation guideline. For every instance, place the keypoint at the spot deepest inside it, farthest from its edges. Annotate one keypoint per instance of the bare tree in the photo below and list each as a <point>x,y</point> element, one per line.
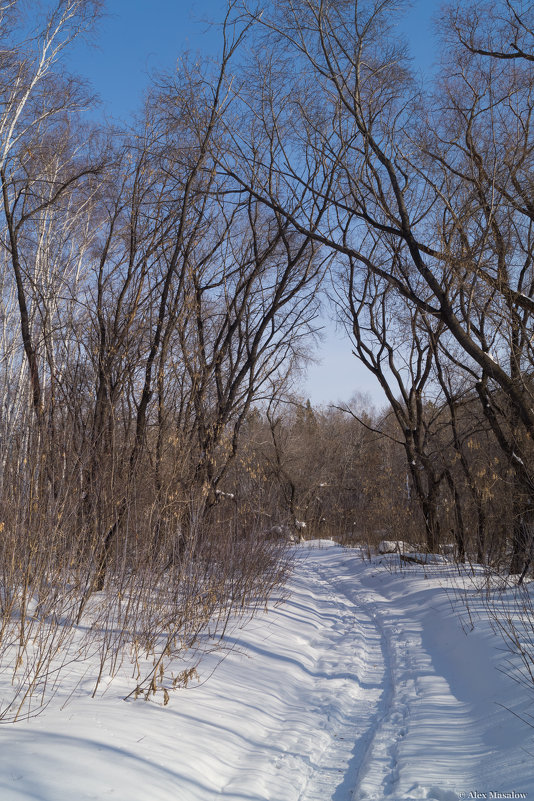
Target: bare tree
<point>435,203</point>
<point>504,31</point>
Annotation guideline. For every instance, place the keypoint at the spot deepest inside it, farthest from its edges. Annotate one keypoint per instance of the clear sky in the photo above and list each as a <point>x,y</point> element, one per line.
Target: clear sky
<point>137,37</point>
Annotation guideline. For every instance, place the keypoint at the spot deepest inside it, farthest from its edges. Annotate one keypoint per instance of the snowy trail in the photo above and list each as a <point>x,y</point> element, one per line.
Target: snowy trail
<point>361,685</point>
<point>418,716</point>
<point>343,671</point>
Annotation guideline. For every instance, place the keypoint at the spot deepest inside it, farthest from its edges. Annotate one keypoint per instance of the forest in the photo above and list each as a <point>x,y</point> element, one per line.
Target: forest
<point>161,295</point>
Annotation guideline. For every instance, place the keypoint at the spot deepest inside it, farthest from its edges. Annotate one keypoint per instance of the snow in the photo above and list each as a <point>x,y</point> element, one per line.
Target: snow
<point>220,494</point>
<point>393,546</point>
<point>367,682</point>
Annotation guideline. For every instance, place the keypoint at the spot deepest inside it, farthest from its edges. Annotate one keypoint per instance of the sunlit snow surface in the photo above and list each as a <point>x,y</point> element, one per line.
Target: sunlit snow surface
<point>361,685</point>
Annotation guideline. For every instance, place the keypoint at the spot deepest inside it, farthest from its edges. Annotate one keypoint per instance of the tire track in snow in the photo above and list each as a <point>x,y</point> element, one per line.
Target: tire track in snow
<point>363,725</point>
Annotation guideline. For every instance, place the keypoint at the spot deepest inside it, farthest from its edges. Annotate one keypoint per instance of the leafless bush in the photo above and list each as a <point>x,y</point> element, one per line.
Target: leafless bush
<point>511,613</point>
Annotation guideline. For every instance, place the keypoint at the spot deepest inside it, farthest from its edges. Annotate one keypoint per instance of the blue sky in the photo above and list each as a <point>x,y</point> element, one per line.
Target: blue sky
<point>137,37</point>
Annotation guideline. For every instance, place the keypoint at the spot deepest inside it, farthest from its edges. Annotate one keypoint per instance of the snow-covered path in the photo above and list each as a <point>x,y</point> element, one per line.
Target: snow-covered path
<point>361,685</point>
